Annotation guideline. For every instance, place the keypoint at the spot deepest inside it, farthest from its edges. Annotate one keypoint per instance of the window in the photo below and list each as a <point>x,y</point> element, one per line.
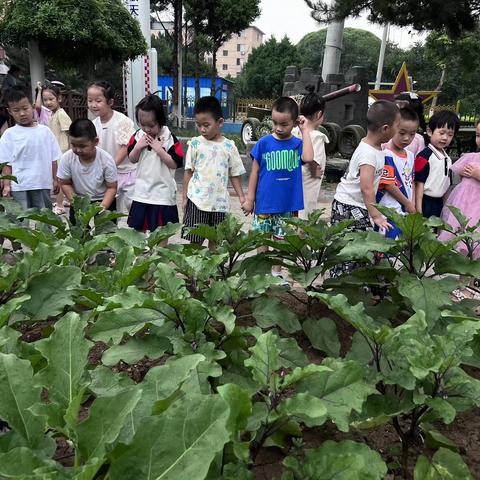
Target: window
<point>225,53</point>
<point>239,46</point>
<point>238,61</point>
<point>224,66</point>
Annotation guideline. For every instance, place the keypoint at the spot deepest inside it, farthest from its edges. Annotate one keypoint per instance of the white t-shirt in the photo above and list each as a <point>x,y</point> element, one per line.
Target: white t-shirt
<point>399,171</point>
<point>155,182</point>
<point>348,190</point>
<point>88,179</point>
<point>30,151</point>
<point>115,134</point>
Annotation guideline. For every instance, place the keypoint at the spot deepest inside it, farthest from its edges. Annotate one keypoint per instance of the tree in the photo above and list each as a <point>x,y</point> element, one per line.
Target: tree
<point>454,17</point>
<point>219,20</point>
<point>72,32</point>
<point>262,75</point>
<point>360,47</point>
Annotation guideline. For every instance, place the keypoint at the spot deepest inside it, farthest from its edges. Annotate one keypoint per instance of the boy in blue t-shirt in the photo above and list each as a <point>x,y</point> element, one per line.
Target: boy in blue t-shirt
<point>275,187</point>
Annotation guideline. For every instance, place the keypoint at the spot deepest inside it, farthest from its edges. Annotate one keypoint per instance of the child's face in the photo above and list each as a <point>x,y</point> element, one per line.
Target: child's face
<point>441,137</point>
<point>22,112</point>
<point>282,124</point>
<point>84,147</point>
<point>207,126</point>
<point>148,123</point>
<point>405,134</point>
<point>50,100</point>
<point>97,103</point>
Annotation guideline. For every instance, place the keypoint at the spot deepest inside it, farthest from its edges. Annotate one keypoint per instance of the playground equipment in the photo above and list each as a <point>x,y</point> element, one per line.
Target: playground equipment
<point>345,112</point>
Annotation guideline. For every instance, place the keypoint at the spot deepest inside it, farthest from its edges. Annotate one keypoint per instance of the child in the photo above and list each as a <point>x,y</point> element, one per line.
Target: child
<point>210,161</point>
<point>312,107</point>
<point>412,100</point>
<point>32,152</point>
<point>275,186</point>
<point>87,170</point>
<point>159,154</point>
<point>465,196</point>
<point>396,189</point>
<point>355,195</point>
<point>114,131</point>
<point>432,165</point>
<point>59,123</point>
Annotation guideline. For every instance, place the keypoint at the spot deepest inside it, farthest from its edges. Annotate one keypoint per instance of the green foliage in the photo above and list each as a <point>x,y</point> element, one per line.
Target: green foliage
<point>182,362</point>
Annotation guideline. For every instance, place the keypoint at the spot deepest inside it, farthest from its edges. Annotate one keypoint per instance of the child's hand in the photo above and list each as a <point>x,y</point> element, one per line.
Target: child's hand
<point>156,144</point>
<point>56,187</point>
<point>247,206</point>
<point>303,123</point>
<point>410,207</point>
<point>184,203</point>
<point>381,222</point>
<point>143,142</point>
<point>471,171</point>
<point>7,189</point>
<point>39,84</point>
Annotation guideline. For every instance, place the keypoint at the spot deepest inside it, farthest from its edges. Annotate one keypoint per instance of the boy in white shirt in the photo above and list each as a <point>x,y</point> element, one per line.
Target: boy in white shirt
<point>210,162</point>
<point>355,195</point>
<point>86,170</point>
<point>31,151</point>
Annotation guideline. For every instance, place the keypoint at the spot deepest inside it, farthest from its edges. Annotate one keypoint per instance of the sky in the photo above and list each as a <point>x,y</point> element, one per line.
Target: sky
<point>294,20</point>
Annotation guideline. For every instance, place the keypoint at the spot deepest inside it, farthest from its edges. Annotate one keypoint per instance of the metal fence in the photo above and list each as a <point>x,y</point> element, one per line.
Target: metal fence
<point>244,103</point>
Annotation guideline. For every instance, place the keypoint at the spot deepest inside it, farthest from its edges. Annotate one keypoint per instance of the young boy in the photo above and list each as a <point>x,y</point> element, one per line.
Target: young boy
<point>275,187</point>
<point>32,153</point>
<point>210,161</point>
<point>396,189</point>
<point>86,170</point>
<point>355,195</point>
<point>432,165</point>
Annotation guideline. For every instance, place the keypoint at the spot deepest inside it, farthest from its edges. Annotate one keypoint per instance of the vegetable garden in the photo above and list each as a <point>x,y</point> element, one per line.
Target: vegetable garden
<point>121,358</point>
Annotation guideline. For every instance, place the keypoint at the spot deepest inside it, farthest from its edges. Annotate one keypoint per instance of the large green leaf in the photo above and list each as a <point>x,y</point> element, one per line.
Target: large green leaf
<point>66,352</point>
<point>265,359</point>
<point>427,294</point>
<point>18,395</point>
<point>113,324</point>
<point>105,420</point>
<point>269,312</point>
<point>51,291</point>
<point>445,465</point>
<point>240,406</point>
<point>305,408</point>
<point>12,306</point>
<point>345,460</point>
<point>160,384</point>
<point>179,444</point>
<point>135,349</point>
<point>20,463</point>
<point>342,388</point>
<point>323,335</point>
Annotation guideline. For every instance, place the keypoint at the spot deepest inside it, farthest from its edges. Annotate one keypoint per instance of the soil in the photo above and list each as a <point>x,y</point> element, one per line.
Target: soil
<point>464,431</point>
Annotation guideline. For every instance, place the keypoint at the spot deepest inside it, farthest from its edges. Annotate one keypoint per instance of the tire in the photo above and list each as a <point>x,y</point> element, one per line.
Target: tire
<point>332,130</point>
<point>349,139</point>
<point>249,129</point>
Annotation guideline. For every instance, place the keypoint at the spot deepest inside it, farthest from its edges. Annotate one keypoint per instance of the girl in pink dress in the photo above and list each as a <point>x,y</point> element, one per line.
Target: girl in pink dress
<point>465,196</point>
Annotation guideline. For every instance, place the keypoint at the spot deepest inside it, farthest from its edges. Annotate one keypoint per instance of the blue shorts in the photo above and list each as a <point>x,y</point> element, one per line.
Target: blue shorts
<point>272,223</point>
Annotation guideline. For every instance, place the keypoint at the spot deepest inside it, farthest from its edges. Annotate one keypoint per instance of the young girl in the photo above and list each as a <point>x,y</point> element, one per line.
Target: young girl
<point>114,131</point>
<point>465,196</point>
<point>59,122</point>
<point>312,107</point>
<point>158,153</point>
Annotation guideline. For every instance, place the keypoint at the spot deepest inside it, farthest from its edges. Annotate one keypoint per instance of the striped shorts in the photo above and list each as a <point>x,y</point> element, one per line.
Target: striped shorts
<point>194,217</point>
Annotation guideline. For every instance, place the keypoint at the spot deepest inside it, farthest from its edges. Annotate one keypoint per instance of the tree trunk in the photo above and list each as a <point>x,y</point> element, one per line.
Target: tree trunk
<point>438,89</point>
<point>213,88</point>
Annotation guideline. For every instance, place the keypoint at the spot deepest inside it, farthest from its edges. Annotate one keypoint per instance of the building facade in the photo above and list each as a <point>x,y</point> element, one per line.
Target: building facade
<point>234,53</point>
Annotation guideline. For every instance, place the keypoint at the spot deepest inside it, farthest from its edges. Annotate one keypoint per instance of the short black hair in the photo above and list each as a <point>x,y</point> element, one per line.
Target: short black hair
<point>286,105</point>
<point>152,103</point>
<point>409,114</point>
<point>442,119</point>
<point>83,128</point>
<point>210,105</point>
<point>416,104</point>
<point>311,103</point>
<point>106,87</point>
<point>380,113</point>
<point>15,94</point>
